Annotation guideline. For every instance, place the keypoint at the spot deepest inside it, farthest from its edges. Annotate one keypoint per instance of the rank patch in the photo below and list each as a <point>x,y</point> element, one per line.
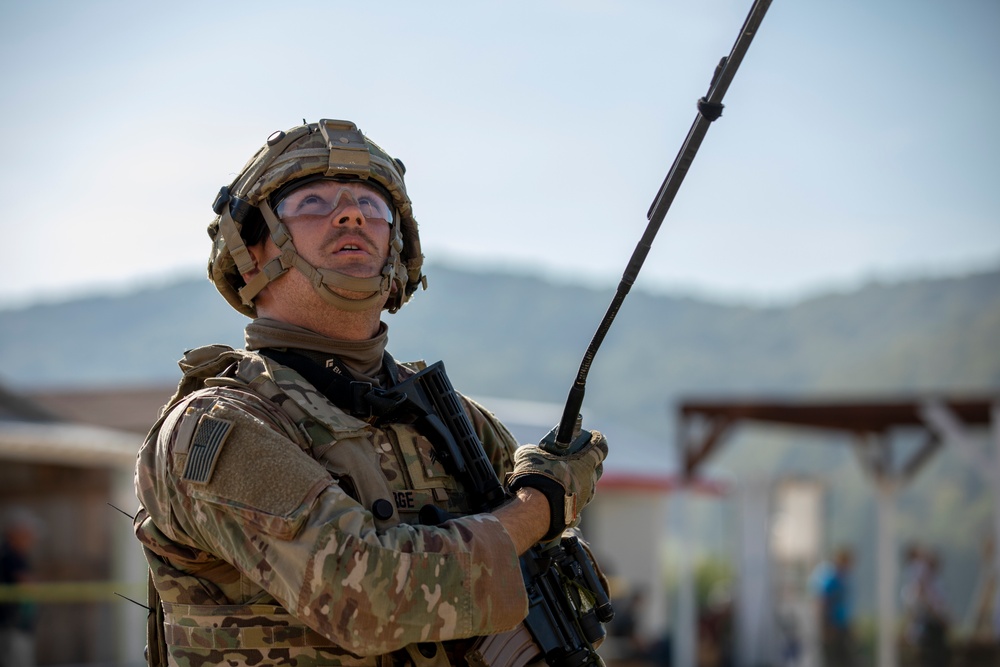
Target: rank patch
<point>205,448</point>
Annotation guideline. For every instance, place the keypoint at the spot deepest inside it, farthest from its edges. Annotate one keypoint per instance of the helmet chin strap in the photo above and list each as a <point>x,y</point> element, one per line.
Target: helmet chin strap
<point>325,281</point>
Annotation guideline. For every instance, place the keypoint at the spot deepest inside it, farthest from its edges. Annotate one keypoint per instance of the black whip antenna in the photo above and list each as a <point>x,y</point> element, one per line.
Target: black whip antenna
<point>709,109</point>
<point>115,507</point>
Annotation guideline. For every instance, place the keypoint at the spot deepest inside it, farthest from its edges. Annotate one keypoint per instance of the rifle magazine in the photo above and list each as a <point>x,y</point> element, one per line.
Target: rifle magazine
<point>514,648</point>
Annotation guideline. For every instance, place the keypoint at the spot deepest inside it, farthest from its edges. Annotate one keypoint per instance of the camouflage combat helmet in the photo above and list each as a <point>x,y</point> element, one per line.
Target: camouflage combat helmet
<point>327,149</point>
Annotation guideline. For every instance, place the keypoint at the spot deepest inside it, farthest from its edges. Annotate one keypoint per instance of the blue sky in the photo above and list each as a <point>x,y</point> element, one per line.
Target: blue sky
<point>857,143</point>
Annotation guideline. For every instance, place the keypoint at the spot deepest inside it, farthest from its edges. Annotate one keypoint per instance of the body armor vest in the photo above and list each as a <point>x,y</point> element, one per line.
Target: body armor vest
<point>391,470</point>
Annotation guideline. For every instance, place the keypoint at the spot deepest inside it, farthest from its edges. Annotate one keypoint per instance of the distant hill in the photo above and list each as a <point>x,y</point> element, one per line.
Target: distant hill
<point>523,337</point>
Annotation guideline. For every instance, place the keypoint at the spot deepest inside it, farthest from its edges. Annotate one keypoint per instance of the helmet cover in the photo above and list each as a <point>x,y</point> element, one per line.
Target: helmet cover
<point>330,149</point>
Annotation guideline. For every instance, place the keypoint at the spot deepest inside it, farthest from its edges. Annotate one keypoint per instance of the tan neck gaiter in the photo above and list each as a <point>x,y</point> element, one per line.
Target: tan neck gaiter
<point>362,357</point>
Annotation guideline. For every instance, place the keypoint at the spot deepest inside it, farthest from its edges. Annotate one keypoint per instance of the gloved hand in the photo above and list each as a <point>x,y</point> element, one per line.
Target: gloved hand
<point>567,481</point>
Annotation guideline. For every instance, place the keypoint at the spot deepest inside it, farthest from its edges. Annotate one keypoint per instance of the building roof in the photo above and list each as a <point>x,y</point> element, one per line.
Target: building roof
<point>68,444</point>
<point>132,409</point>
<point>15,407</point>
<point>857,414</point>
<point>31,431</point>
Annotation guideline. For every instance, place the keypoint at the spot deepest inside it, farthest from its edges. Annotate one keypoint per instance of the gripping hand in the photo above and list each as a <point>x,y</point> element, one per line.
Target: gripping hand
<point>568,481</point>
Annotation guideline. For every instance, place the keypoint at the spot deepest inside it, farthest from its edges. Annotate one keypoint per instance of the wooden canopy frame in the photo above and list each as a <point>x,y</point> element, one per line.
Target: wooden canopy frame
<point>864,418</point>
<point>705,424</point>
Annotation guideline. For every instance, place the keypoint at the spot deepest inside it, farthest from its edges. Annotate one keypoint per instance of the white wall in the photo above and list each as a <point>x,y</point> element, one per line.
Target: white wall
<point>627,530</point>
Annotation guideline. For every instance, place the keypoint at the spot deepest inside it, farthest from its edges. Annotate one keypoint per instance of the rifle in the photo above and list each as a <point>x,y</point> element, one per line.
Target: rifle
<point>567,606</point>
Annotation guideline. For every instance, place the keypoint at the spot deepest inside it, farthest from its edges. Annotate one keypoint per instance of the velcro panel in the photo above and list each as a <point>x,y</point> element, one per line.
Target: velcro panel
<point>348,149</point>
<point>261,474</point>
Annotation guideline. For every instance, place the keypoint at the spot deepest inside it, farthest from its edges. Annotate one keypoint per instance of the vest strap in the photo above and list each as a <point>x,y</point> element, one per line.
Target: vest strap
<point>244,626</point>
<point>360,399</point>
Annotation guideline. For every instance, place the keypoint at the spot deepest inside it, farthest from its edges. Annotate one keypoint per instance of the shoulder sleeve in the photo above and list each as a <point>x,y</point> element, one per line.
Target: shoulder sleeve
<point>221,446</point>
<point>225,481</point>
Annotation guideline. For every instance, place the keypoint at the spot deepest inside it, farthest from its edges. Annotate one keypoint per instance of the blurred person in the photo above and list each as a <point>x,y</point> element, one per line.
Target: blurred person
<point>911,575</point>
<point>790,637</point>
<point>18,619</point>
<point>282,489</point>
<point>933,618</point>
<point>831,582</point>
<point>715,627</point>
<point>623,631</point>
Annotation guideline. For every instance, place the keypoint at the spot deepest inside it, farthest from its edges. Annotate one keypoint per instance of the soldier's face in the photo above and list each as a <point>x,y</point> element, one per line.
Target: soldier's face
<point>344,226</point>
<point>332,227</point>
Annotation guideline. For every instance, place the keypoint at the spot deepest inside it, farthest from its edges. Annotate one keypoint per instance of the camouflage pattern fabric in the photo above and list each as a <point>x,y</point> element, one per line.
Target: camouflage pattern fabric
<point>278,528</point>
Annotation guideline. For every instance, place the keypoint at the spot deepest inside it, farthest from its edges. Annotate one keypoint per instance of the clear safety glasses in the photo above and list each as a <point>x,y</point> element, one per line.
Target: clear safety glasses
<point>320,199</point>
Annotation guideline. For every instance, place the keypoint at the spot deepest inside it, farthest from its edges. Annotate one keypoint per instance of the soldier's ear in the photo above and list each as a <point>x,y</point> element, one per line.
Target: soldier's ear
<point>258,254</point>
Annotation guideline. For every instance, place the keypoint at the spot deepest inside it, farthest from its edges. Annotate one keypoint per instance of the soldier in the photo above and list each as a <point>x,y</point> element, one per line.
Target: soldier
<point>279,497</point>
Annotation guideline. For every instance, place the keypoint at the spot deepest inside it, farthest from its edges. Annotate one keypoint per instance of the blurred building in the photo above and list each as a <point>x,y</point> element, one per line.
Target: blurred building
<point>71,476</point>
<point>779,516</point>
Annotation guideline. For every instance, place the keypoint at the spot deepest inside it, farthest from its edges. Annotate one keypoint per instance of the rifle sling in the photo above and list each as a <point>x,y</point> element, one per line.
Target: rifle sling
<point>331,377</point>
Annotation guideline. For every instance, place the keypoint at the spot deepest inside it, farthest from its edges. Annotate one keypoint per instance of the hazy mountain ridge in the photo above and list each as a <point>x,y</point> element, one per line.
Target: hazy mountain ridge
<point>524,337</point>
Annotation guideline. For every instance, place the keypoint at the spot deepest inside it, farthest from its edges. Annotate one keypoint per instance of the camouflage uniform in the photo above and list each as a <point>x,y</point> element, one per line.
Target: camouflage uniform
<point>270,540</point>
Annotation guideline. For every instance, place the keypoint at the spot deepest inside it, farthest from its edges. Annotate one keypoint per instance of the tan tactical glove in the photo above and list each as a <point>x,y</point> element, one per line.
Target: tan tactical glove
<point>567,481</point>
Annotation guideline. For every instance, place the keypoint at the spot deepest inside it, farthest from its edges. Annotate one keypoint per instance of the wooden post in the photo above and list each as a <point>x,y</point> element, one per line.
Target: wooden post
<point>887,572</point>
<point>685,639</point>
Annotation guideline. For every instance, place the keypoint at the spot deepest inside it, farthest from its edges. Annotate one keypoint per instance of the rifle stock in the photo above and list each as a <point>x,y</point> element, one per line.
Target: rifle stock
<point>567,606</point>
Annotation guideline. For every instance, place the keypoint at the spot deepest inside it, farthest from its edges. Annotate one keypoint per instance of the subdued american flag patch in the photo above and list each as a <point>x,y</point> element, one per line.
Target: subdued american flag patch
<point>205,448</point>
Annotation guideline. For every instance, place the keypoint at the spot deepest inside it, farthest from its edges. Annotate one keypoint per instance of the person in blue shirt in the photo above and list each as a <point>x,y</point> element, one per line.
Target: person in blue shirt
<point>832,585</point>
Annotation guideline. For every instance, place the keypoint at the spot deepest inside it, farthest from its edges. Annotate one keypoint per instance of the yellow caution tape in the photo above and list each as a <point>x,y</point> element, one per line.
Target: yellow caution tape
<point>73,591</point>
